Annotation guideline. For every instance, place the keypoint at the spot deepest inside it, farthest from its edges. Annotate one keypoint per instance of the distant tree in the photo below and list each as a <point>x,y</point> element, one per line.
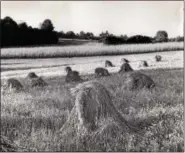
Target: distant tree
<point>82,34</point>
<point>23,25</point>
<point>103,36</point>
<point>77,35</point>
<point>171,39</point>
<point>113,40</point>
<point>47,25</point>
<point>138,39</point>
<point>9,23</point>
<point>179,38</point>
<point>30,27</point>
<point>13,34</point>
<point>61,34</point>
<point>124,37</point>
<point>9,32</point>
<point>70,34</point>
<point>161,36</point>
<point>89,35</point>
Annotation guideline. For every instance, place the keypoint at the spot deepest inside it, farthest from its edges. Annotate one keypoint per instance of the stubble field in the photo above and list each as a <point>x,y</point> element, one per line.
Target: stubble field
<point>32,119</point>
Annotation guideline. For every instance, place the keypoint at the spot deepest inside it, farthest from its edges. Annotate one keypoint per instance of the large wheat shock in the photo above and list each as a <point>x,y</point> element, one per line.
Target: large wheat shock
<point>93,104</point>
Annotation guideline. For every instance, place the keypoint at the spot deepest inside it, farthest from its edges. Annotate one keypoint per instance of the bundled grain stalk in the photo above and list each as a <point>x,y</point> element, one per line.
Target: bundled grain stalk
<point>137,80</point>
<point>143,64</point>
<point>101,72</point>
<point>35,81</point>
<point>125,68</point>
<point>13,85</point>
<point>93,106</point>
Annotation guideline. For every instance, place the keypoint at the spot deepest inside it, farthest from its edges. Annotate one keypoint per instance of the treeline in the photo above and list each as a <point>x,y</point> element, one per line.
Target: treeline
<point>137,39</point>
<point>81,35</point>
<point>161,36</point>
<point>110,39</point>
<point>13,34</point>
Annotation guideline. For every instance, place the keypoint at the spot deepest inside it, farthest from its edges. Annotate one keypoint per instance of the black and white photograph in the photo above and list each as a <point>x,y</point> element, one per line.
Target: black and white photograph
<point>92,76</point>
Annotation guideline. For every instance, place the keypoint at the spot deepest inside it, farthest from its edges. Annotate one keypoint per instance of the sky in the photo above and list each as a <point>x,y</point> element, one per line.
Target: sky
<point>118,17</point>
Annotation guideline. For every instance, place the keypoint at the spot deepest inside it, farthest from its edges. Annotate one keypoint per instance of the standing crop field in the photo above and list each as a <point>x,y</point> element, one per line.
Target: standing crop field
<point>96,49</point>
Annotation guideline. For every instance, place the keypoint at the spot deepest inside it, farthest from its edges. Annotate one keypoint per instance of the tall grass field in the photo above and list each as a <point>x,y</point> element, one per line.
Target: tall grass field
<point>97,49</point>
<point>32,119</point>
